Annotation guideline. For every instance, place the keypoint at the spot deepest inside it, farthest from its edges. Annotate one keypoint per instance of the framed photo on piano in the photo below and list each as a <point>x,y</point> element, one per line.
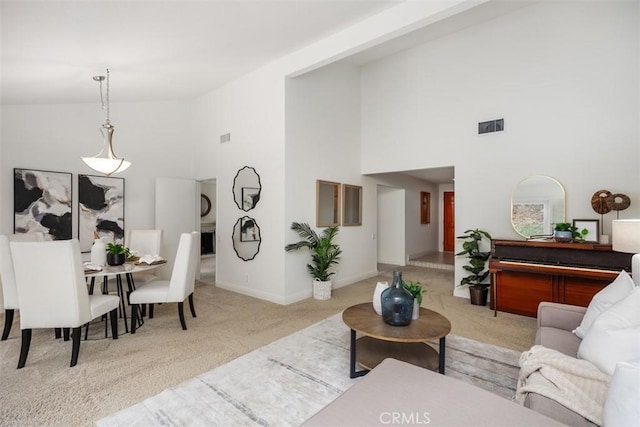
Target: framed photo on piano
<point>592,226</point>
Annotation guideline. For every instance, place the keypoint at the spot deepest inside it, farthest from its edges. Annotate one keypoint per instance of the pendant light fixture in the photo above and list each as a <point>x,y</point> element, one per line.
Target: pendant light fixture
<point>106,161</point>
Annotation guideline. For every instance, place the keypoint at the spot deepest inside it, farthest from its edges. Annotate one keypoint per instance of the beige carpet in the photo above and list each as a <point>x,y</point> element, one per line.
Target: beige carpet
<point>112,375</point>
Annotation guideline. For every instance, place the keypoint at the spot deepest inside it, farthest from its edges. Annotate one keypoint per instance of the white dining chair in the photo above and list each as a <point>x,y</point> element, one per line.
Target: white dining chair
<point>9,293</point>
<point>178,288</point>
<point>144,242</point>
<point>52,292</point>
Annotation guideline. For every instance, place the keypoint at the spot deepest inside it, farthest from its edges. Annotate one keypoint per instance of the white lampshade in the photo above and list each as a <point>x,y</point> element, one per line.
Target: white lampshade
<point>626,238</point>
<point>626,235</point>
<point>105,165</point>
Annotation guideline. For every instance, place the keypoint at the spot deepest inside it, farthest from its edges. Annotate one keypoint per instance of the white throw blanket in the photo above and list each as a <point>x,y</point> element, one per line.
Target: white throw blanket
<point>574,383</point>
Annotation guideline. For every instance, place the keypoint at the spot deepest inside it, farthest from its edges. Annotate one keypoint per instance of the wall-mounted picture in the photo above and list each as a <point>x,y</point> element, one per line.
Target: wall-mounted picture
<point>42,202</point>
<point>249,231</point>
<point>250,197</point>
<point>592,226</point>
<point>100,209</point>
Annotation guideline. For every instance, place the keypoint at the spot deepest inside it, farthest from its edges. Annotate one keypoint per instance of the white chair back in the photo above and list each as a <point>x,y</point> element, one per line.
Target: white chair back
<point>144,242</point>
<point>52,292</point>
<point>7,276</point>
<point>183,276</point>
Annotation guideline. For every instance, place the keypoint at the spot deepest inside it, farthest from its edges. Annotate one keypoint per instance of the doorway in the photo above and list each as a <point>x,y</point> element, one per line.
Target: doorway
<point>208,191</point>
<point>448,221</point>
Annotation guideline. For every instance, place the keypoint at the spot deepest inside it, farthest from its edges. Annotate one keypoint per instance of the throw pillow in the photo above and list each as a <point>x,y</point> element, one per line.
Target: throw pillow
<point>611,294</point>
<point>621,408</point>
<point>614,336</point>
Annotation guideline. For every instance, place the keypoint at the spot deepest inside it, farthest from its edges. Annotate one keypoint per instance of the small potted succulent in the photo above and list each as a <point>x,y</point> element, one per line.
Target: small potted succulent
<point>117,253</point>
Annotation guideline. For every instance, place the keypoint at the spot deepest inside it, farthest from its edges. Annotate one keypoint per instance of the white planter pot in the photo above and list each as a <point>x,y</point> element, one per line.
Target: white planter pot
<point>416,310</point>
<point>377,296</point>
<point>321,290</point>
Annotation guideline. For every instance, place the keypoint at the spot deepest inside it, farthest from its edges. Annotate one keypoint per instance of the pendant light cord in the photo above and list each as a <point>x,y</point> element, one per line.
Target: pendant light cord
<point>104,105</point>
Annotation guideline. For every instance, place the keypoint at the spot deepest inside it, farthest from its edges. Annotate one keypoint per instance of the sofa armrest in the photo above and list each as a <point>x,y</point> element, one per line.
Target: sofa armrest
<point>561,316</point>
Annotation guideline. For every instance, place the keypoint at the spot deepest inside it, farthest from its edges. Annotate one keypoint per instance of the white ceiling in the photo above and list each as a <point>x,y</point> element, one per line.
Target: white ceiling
<point>155,50</point>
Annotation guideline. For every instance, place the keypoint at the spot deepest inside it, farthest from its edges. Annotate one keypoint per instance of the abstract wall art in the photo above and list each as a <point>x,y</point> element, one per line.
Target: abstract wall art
<point>42,202</point>
<point>100,209</point>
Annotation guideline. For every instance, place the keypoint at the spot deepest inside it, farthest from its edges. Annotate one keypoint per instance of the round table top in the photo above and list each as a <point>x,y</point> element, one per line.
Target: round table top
<point>429,326</point>
<point>127,267</point>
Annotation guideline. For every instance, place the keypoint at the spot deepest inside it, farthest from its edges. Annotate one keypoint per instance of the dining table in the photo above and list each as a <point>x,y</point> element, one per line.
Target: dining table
<point>118,271</point>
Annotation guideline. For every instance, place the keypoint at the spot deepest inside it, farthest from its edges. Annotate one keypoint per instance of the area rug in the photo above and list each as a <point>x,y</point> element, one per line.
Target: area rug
<point>286,382</point>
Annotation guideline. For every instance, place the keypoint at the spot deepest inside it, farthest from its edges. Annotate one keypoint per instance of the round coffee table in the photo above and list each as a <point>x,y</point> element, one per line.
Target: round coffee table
<point>407,343</point>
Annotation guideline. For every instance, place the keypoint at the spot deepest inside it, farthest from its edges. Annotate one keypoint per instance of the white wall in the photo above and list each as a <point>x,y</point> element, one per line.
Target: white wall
<point>153,136</point>
<point>323,142</point>
<point>563,75</point>
<point>252,110</point>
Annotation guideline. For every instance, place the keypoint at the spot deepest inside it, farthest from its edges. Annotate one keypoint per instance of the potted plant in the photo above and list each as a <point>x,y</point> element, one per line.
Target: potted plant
<point>324,255</point>
<point>117,254</point>
<point>478,288</point>
<point>563,231</point>
<point>415,289</point>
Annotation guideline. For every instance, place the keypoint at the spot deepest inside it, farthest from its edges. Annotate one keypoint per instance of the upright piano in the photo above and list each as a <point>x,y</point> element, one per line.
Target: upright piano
<point>525,273</point>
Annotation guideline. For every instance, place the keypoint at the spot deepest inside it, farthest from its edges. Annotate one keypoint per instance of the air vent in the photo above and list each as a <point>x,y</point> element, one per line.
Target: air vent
<point>491,126</point>
<point>225,138</point>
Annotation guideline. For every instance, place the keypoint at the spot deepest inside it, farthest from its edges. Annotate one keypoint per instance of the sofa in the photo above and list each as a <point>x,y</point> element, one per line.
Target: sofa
<point>556,323</point>
<point>398,393</point>
<point>584,367</point>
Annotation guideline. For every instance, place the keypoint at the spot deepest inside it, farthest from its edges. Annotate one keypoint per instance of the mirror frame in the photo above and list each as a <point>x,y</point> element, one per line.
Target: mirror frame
<point>553,219</point>
<point>246,248</point>
<point>351,205</point>
<point>322,207</point>
<point>246,188</point>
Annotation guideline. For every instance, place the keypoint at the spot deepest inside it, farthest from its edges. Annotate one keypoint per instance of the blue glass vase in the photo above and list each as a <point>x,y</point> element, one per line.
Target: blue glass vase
<point>397,303</point>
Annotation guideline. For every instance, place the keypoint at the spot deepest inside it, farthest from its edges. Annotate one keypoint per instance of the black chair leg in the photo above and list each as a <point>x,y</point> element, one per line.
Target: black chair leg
<point>65,334</point>
<point>150,311</point>
<point>181,314</point>
<point>24,350</point>
<point>75,349</point>
<point>113,315</point>
<point>134,317</point>
<point>193,309</point>
<point>58,332</point>
<point>8,321</point>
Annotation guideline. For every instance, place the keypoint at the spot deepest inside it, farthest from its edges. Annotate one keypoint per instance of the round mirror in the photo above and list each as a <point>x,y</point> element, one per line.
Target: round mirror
<point>246,238</point>
<point>537,202</point>
<point>246,188</point>
<point>205,205</point>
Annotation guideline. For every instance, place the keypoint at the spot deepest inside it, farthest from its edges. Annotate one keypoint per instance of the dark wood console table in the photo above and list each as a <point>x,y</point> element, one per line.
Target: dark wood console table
<point>525,273</point>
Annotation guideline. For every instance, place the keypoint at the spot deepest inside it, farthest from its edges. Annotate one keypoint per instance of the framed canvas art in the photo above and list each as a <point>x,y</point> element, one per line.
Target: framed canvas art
<point>42,202</point>
<point>100,209</point>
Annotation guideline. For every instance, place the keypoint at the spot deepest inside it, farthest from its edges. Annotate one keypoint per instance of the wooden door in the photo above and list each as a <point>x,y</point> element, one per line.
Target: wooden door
<point>449,225</point>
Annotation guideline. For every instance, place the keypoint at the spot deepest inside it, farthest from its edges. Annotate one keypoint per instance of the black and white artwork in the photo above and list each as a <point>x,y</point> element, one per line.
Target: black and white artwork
<point>100,209</point>
<point>249,231</point>
<point>250,198</point>
<point>42,202</point>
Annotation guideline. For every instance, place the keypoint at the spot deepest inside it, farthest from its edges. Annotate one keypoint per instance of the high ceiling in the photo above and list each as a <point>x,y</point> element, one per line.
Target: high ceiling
<point>155,50</point>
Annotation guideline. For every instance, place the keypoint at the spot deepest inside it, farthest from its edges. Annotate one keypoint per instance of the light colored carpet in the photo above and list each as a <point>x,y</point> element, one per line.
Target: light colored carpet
<point>302,372</point>
<point>113,375</point>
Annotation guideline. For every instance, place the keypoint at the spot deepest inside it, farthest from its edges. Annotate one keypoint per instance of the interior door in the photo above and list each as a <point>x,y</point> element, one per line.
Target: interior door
<point>177,210</point>
<point>449,225</point>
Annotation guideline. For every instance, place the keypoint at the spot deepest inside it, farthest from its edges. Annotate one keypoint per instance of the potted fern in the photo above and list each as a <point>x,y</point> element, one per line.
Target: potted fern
<point>324,255</point>
<point>477,260</point>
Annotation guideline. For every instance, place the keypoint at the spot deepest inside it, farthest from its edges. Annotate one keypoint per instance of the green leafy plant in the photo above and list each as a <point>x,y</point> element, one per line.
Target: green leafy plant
<point>415,288</point>
<point>324,253</point>
<point>117,249</point>
<point>576,235</point>
<point>477,258</point>
<point>562,226</point>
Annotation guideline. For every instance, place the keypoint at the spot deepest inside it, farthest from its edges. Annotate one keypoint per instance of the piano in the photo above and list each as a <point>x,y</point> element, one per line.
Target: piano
<point>525,273</point>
